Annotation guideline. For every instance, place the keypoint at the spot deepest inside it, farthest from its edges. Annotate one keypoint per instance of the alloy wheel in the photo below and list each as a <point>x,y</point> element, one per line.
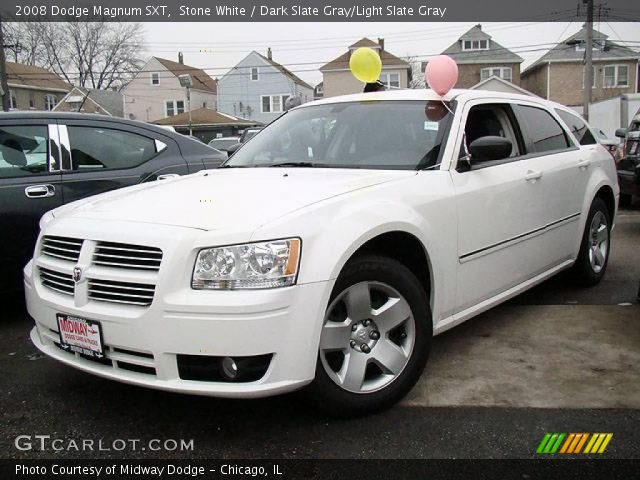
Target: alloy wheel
<point>598,242</point>
<point>367,338</point>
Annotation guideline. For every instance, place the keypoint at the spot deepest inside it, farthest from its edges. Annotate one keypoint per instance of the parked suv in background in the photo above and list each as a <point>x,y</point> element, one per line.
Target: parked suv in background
<point>328,250</point>
<point>48,159</point>
<point>629,165</point>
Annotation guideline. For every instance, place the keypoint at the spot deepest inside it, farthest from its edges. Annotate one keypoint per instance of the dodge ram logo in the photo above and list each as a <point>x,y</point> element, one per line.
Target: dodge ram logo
<point>77,274</point>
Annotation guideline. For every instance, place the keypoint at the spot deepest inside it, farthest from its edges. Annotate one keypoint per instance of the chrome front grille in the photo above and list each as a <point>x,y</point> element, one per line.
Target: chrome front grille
<point>121,255</point>
<point>121,292</point>
<point>63,248</point>
<point>60,282</point>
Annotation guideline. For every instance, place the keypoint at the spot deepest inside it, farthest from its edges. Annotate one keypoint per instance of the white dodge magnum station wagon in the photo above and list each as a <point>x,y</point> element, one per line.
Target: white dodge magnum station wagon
<point>328,250</point>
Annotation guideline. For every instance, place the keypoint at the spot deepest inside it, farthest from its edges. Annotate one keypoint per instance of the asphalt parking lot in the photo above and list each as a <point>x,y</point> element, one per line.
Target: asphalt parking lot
<point>555,359</point>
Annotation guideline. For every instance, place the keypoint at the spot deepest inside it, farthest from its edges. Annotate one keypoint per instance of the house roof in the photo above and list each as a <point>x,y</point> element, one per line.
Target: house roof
<point>488,83</point>
<point>342,62</point>
<point>205,116</point>
<point>285,71</point>
<point>201,81</point>
<point>496,53</point>
<point>110,101</point>
<point>32,76</point>
<point>566,51</point>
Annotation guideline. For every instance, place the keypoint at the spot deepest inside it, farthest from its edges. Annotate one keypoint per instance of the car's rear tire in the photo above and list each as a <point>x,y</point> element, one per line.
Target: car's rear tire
<point>375,338</point>
<point>593,257</point>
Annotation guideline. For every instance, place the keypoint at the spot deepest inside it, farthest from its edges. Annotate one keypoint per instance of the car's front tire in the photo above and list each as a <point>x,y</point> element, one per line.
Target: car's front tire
<point>375,338</point>
<point>593,257</point>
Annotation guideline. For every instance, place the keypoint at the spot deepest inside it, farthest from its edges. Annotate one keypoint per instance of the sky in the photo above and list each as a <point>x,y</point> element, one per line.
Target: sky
<point>304,47</point>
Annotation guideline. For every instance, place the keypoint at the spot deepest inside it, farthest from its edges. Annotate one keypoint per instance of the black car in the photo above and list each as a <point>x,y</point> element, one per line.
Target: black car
<point>48,159</point>
<point>629,165</point>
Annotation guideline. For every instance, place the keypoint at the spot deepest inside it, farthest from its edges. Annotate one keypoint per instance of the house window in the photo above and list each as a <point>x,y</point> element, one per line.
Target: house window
<point>390,80</point>
<point>174,107</point>
<point>273,103</point>
<point>475,45</point>
<point>155,79</point>
<point>593,77</point>
<point>500,72</point>
<point>255,74</point>
<point>615,76</point>
<point>49,102</point>
<point>582,46</point>
<point>13,101</point>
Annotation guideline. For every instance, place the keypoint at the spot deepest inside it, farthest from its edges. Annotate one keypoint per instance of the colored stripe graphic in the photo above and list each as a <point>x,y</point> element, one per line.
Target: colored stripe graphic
<point>596,443</point>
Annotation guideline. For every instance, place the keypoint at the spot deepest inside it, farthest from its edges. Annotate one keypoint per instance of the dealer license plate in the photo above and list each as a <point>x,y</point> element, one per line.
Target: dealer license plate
<point>80,335</point>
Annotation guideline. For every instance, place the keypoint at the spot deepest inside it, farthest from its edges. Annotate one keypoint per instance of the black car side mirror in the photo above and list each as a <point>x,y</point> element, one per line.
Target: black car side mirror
<point>488,148</point>
<point>621,132</point>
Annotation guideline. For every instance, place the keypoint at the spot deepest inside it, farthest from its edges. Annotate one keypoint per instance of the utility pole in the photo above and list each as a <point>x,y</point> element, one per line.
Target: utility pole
<point>4,87</point>
<point>588,60</point>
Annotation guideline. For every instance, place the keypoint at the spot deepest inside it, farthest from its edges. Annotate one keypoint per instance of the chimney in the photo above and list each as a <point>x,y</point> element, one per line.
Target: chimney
<point>269,53</point>
<point>381,43</point>
<point>180,58</point>
<point>479,26</point>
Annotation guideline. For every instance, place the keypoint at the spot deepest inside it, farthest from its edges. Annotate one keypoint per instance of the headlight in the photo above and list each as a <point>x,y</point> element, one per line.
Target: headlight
<point>46,218</point>
<point>254,265</point>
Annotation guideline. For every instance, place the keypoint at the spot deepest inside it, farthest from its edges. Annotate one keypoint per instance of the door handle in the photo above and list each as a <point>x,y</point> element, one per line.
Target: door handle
<point>532,175</point>
<point>166,176</point>
<point>583,164</point>
<point>40,191</point>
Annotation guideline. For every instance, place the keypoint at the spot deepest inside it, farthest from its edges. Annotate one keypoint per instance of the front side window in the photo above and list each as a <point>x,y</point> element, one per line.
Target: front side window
<point>255,74</point>
<point>155,79</point>
<point>475,45</point>
<point>390,80</point>
<point>545,133</point>
<point>395,135</point>
<point>273,103</point>
<point>578,127</point>
<point>102,148</point>
<point>49,102</point>
<point>23,151</point>
<point>616,76</point>
<point>500,72</point>
<point>13,101</point>
<point>174,107</point>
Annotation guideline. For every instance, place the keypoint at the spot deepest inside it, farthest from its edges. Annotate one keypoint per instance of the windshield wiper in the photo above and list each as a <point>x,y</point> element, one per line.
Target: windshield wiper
<point>296,164</point>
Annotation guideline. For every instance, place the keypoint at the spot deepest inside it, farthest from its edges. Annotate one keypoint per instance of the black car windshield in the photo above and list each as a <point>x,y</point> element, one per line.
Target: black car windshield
<point>398,135</point>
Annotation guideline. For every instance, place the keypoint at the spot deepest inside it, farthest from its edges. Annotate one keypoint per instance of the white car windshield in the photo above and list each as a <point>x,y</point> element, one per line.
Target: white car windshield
<point>399,135</point>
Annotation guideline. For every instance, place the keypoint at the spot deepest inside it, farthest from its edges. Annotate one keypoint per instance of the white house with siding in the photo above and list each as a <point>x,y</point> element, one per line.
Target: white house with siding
<point>257,88</point>
<point>155,92</point>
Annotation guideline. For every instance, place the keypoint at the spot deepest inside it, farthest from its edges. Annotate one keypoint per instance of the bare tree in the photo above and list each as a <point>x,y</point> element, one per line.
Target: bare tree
<point>88,54</point>
<point>416,79</point>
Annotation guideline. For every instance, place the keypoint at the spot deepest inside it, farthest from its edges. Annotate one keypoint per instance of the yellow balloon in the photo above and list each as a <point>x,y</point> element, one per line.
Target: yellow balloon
<point>365,65</point>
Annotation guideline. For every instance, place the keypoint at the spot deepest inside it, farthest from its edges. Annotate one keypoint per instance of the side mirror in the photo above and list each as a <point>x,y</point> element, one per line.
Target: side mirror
<point>233,149</point>
<point>621,132</point>
<point>490,148</point>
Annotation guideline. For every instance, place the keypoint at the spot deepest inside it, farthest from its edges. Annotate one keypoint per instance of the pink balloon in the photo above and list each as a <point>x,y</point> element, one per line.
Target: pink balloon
<point>441,74</point>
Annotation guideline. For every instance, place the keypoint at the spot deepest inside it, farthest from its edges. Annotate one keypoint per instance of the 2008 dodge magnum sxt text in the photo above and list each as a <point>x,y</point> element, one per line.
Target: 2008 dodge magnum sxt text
<point>327,252</point>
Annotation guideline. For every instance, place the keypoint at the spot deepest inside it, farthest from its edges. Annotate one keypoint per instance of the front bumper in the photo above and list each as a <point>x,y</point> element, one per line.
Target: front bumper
<point>283,322</point>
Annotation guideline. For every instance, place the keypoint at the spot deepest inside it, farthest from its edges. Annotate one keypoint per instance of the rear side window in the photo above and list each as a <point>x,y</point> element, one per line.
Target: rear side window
<point>577,127</point>
<point>545,133</point>
<point>23,151</point>
<point>102,148</point>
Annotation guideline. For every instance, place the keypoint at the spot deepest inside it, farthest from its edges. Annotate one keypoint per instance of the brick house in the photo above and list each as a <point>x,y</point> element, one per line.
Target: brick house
<point>480,57</point>
<point>338,80</point>
<point>34,88</point>
<point>559,74</point>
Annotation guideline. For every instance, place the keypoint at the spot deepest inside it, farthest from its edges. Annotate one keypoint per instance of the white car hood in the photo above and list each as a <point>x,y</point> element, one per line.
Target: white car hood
<point>236,198</point>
